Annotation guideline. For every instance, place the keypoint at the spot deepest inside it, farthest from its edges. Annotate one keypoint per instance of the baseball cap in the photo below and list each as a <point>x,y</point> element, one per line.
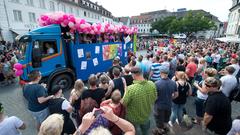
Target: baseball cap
<point>164,69</point>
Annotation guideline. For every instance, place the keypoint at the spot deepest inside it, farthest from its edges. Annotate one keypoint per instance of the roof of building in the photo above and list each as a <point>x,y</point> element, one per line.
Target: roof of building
<point>94,7</point>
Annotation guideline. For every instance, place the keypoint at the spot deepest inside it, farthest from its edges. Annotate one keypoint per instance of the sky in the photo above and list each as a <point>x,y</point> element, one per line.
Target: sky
<point>219,8</point>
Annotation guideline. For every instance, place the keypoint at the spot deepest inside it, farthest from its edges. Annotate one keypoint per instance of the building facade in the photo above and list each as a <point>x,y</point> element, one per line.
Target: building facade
<point>233,30</point>
<point>20,16</point>
<point>144,20</point>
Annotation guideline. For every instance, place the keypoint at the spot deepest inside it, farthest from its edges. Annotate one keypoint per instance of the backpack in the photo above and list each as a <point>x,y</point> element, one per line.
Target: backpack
<point>87,105</point>
<point>235,94</point>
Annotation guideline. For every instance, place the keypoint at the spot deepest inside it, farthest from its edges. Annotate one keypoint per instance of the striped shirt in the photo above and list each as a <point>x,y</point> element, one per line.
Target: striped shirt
<point>156,71</point>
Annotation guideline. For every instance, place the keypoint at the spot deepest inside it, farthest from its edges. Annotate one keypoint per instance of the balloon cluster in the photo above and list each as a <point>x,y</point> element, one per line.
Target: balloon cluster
<point>18,69</point>
<point>81,26</point>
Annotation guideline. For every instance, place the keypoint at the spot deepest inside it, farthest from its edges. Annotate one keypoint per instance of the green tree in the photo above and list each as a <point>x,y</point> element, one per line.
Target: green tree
<point>188,24</point>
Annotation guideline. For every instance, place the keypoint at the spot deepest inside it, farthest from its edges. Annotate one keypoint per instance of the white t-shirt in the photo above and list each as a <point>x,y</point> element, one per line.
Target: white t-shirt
<point>229,82</point>
<point>236,67</point>
<point>65,105</point>
<point>9,126</point>
<point>216,58</point>
<point>50,51</point>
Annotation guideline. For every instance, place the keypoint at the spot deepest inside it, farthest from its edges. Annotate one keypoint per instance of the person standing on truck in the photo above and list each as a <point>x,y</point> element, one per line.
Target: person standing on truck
<point>37,97</point>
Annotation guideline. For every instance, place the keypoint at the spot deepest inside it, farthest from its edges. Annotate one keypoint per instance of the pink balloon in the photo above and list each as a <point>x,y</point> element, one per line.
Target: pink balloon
<point>65,22</point>
<point>65,17</point>
<point>82,21</point>
<point>71,24</point>
<point>18,66</point>
<point>63,25</point>
<point>18,72</point>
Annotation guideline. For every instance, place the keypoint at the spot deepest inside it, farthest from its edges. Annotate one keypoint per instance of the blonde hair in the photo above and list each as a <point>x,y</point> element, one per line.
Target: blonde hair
<point>181,75</point>
<point>210,72</point>
<point>53,125</point>
<point>78,86</point>
<point>202,61</point>
<point>100,131</point>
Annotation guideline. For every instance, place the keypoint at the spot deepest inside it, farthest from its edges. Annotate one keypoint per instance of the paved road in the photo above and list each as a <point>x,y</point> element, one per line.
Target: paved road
<point>15,104</point>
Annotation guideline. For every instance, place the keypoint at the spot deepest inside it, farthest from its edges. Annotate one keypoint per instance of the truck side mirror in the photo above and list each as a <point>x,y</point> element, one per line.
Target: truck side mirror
<point>36,55</point>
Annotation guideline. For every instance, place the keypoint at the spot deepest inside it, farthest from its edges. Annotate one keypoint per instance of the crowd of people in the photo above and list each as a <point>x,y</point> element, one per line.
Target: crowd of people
<point>121,100</point>
<point>9,55</point>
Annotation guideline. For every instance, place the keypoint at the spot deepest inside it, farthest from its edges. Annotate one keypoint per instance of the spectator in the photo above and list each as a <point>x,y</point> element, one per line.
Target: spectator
<point>217,117</point>
<point>165,62</point>
<point>184,90</point>
<point>89,118</point>
<point>92,97</point>
<point>180,65</point>
<point>167,90</point>
<point>118,109</point>
<point>138,99</point>
<point>75,99</point>
<point>155,70</point>
<point>53,125</point>
<point>61,106</point>
<point>148,63</point>
<point>116,63</point>
<point>140,64</point>
<point>191,69</point>
<point>229,82</point>
<point>128,77</point>
<point>10,125</point>
<point>37,97</point>
<point>235,127</point>
<point>235,65</point>
<point>202,94</point>
<point>104,82</point>
<point>117,83</point>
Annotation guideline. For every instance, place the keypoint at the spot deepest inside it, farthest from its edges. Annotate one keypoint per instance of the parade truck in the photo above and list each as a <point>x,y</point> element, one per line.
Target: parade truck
<point>62,57</point>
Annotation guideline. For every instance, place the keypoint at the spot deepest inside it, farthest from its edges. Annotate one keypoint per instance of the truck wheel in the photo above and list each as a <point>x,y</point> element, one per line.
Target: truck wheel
<point>64,80</point>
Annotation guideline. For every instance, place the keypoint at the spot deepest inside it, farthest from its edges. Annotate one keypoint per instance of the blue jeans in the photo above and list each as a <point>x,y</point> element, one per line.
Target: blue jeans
<point>177,112</point>
<point>41,115</point>
<point>143,127</point>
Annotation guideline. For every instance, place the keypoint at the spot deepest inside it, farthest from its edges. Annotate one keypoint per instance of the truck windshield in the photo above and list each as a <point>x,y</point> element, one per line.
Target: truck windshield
<point>22,50</point>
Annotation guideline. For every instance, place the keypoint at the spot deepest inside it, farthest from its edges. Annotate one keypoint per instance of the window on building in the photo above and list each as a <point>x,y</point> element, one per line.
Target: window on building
<point>32,17</point>
<point>15,1</point>
<point>78,12</point>
<point>98,17</point>
<point>30,2</point>
<point>63,8</point>
<point>97,8</point>
<point>70,10</point>
<point>52,6</point>
<point>17,14</point>
<point>91,5</point>
<point>88,14</point>
<point>87,4</point>
<point>95,16</point>
<point>85,13</point>
<point>42,4</point>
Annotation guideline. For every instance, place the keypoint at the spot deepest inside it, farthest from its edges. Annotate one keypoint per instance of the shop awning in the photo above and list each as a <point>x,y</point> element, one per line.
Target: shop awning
<point>19,31</point>
<point>229,39</point>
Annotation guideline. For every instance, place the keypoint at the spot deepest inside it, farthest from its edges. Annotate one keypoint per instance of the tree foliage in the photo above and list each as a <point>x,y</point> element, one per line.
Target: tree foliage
<point>190,23</point>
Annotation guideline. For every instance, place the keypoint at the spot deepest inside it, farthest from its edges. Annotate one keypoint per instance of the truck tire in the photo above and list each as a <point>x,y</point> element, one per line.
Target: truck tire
<point>64,80</point>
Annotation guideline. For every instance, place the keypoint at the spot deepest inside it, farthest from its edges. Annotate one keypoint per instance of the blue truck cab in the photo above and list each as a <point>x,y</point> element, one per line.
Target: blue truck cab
<point>62,60</point>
